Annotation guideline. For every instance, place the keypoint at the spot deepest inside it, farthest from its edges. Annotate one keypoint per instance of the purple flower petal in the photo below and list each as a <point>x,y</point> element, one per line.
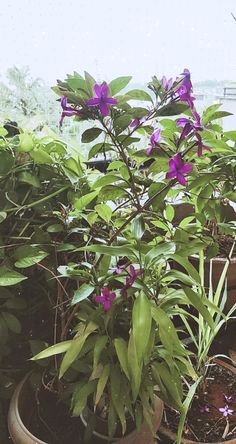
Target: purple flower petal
<point>104,90</point>
<point>98,90</point>
<point>171,175</point>
<point>107,305</point>
<point>110,100</point>
<point>178,161</point>
<point>93,102</point>
<point>100,299</point>
<point>181,179</point>
<point>111,296</point>
<point>149,151</point>
<point>104,109</point>
<point>182,122</point>
<point>186,168</point>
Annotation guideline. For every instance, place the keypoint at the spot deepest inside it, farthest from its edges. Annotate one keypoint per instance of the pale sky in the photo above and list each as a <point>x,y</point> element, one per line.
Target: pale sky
<point>110,38</point>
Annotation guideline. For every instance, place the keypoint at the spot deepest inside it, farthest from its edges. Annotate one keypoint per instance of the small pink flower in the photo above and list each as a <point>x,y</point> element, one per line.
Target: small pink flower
<point>106,298</point>
<point>226,410</point>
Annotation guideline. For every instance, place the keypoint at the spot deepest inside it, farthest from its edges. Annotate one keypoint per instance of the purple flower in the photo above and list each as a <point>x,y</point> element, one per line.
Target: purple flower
<point>204,409</point>
<point>102,100</point>
<point>167,84</point>
<point>189,126</point>
<point>120,268</point>
<point>106,298</point>
<point>226,410</point>
<point>135,123</point>
<point>68,111</point>
<point>130,280</point>
<point>200,145</point>
<point>133,274</point>
<point>185,89</point>
<point>178,168</point>
<point>228,398</point>
<point>154,139</point>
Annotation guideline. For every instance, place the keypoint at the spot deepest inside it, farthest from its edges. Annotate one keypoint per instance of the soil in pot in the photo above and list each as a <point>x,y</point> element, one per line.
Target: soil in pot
<point>205,423</point>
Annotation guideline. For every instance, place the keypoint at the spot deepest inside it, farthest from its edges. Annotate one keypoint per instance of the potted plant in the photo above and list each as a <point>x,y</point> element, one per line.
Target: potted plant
<point>115,281</point>
<point>209,407</point>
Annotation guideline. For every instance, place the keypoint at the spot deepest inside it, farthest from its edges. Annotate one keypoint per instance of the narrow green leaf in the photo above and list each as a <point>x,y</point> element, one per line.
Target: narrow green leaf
<point>141,322</point>
<point>102,382</point>
<point>122,353</point>
<point>197,302</point>
<point>85,200</point>
<point>98,348</point>
<point>56,349</point>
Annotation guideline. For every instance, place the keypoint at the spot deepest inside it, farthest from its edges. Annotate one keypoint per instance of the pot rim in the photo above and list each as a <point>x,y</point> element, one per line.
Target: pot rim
<point>172,435</point>
<point>14,414</point>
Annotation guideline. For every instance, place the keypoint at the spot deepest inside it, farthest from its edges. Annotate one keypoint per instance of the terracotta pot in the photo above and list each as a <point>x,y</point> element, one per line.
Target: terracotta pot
<point>21,407</point>
<point>172,435</point>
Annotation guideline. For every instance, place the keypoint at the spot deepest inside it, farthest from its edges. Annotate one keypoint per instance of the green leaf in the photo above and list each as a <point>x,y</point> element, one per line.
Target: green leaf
<point>29,178</point>
<point>55,228</point>
<point>102,382</point>
<point>10,277</point>
<point>138,94</point>
<point>185,263</point>
<point>121,123</point>
<point>118,84</point>
<point>28,256</point>
<point>3,216</point>
<point>122,353</point>
<point>198,303</point>
<point>12,322</point>
<point>26,143</point>
<point>40,156</point>
<point>75,348</point>
<point>165,249</point>
<point>141,322</point>
<point>185,408</point>
<point>135,369</point>
<point>106,180</point>
<point>82,293</point>
<point>167,331</point>
<point>104,211</point>
<point>117,399</point>
<point>230,135</point>
<point>172,109</point>
<point>91,134</point>
<point>98,348</point>
<point>56,349</point>
<point>85,200</point>
<point>111,251</point>
<point>6,162</point>
<point>81,395</point>
<point>137,227</point>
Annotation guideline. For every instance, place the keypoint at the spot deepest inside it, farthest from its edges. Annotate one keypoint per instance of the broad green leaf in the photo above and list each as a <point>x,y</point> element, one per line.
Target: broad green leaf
<point>141,322</point>
<point>163,249</point>
<point>231,135</point>
<point>118,84</point>
<point>56,349</point>
<point>40,156</point>
<point>170,390</point>
<point>29,178</point>
<point>104,211</point>
<point>186,264</point>
<point>85,200</point>
<point>172,109</point>
<point>26,143</point>
<point>106,180</point>
<point>83,292</point>
<point>55,228</point>
<point>28,255</point>
<point>137,227</point>
<point>6,162</point>
<point>121,123</point>
<point>10,277</point>
<point>12,322</point>
<point>102,382</point>
<point>75,348</point>
<point>138,94</point>
<point>122,353</point>
<point>91,134</point>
